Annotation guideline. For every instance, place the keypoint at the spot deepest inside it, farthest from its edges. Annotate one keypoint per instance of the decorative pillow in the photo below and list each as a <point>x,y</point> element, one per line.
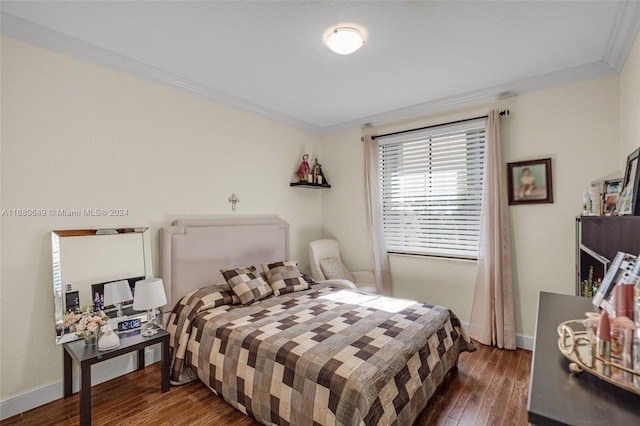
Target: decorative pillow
<point>284,277</point>
<point>247,284</point>
<point>333,269</point>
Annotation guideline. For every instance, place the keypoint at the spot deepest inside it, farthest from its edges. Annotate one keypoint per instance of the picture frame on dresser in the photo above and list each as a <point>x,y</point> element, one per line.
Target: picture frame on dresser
<point>611,193</point>
<point>632,177</point>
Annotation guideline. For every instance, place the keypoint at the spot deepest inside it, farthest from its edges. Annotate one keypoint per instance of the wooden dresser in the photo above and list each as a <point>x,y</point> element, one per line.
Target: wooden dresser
<point>558,397</point>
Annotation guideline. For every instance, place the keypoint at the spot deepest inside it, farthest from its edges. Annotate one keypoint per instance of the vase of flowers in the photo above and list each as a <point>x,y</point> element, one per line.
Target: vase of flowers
<point>87,324</point>
<point>91,339</point>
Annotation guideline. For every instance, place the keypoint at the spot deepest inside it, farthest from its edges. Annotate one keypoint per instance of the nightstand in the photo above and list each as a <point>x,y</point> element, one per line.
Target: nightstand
<point>87,355</point>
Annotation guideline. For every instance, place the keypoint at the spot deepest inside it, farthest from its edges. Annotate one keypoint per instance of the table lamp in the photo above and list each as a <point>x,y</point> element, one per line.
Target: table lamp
<point>149,295</point>
<point>116,293</point>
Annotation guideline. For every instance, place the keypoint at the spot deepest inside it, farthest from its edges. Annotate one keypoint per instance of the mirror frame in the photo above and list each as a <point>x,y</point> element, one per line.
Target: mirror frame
<point>56,264</point>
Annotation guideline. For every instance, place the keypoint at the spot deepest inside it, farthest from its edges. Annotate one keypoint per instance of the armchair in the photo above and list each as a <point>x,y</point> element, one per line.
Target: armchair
<point>326,253</point>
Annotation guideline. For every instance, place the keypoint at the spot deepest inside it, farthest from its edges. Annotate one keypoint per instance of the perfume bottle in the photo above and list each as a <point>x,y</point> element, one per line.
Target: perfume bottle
<point>603,344</point>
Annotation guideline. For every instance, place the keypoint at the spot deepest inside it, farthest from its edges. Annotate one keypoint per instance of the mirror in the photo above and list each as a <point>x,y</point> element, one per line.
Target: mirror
<point>84,260</point>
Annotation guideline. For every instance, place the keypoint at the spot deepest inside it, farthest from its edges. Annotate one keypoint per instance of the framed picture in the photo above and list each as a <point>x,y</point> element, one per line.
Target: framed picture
<point>631,177</point>
<point>612,190</point>
<point>610,203</point>
<point>613,186</point>
<point>596,194</point>
<point>530,182</point>
<point>625,206</point>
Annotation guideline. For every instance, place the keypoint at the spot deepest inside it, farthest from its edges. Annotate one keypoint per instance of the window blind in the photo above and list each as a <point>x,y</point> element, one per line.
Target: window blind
<point>431,189</point>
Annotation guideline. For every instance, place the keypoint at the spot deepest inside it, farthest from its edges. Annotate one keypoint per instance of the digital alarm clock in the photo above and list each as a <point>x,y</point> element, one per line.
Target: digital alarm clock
<point>129,324</point>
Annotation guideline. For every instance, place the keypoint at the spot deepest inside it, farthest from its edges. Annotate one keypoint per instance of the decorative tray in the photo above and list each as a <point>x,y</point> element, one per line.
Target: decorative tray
<point>577,346</point>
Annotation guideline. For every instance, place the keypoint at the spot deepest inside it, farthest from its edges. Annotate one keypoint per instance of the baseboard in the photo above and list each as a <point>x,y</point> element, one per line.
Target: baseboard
<point>525,342</point>
<point>522,342</point>
<point>99,373</point>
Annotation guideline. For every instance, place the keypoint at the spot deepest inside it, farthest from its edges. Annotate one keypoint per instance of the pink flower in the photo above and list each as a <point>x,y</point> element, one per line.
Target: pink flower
<point>88,322</point>
<point>71,319</point>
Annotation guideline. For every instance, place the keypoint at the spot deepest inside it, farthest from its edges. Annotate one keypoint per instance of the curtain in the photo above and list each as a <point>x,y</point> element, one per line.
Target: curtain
<point>374,216</point>
<point>492,315</point>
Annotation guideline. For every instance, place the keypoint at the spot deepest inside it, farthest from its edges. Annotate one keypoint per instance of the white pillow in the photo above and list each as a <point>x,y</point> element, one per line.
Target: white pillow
<point>333,269</point>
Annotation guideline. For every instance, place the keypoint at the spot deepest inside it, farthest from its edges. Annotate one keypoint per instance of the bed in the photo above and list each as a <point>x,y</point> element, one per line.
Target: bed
<point>317,356</point>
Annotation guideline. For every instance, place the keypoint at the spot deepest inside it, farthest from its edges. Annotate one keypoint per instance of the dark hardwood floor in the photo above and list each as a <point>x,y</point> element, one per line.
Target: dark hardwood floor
<point>490,388</point>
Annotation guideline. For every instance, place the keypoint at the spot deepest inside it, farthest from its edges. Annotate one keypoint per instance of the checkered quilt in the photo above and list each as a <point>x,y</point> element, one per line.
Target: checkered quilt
<point>302,359</point>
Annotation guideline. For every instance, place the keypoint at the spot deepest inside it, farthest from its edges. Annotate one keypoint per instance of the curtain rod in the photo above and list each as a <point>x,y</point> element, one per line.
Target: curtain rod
<point>504,112</point>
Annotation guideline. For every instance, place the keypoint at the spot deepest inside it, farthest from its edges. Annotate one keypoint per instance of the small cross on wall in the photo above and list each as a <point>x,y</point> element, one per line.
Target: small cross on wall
<point>234,200</point>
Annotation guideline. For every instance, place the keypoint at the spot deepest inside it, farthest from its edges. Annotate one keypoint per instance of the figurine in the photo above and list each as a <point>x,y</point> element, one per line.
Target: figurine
<point>109,339</point>
<point>303,169</point>
<point>318,175</point>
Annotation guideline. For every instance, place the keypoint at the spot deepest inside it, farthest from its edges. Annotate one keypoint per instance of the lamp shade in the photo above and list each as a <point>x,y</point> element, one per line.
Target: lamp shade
<point>117,292</point>
<point>149,294</point>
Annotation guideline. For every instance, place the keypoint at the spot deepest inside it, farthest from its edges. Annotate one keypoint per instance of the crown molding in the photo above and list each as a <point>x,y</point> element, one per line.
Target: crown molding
<point>29,32</point>
<point>625,29</point>
<point>540,82</point>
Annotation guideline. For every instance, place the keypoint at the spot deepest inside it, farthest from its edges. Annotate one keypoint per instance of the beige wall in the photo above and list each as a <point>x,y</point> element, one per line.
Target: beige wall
<point>344,207</point>
<point>75,135</point>
<point>576,125</point>
<point>630,103</point>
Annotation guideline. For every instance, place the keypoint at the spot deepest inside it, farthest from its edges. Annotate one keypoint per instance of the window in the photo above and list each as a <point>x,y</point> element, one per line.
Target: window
<point>431,189</point>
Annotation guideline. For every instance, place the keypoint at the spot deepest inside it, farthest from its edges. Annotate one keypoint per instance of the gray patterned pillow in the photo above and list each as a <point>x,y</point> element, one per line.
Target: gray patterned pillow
<point>284,277</point>
<point>333,269</point>
<point>247,284</point>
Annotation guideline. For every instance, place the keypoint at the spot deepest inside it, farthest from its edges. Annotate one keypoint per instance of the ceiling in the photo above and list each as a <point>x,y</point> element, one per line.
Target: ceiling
<point>268,56</point>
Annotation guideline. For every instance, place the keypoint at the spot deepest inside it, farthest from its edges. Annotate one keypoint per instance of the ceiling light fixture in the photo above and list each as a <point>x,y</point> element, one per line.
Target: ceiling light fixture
<point>345,38</point>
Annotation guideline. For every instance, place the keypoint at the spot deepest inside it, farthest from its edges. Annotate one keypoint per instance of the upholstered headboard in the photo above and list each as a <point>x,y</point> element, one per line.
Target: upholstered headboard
<point>192,251</point>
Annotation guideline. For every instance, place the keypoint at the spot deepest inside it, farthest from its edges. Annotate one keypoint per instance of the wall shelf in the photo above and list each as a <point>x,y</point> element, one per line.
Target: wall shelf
<point>310,185</point>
